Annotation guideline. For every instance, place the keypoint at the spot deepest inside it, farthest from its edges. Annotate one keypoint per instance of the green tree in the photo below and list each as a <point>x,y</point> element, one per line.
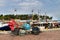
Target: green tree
<point>1,16</point>
<point>35,17</point>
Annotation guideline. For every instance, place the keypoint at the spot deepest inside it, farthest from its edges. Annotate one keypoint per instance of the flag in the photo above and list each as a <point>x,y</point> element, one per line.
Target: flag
<point>15,10</point>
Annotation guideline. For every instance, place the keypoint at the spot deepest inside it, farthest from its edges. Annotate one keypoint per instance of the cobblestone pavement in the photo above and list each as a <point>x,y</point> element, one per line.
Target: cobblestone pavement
<point>49,35</point>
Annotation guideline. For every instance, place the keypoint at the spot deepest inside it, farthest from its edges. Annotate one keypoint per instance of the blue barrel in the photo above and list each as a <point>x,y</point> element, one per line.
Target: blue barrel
<point>26,26</point>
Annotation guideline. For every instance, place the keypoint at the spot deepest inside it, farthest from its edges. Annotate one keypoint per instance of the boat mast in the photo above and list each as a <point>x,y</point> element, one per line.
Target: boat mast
<point>32,14</point>
<point>39,15</point>
<point>45,17</point>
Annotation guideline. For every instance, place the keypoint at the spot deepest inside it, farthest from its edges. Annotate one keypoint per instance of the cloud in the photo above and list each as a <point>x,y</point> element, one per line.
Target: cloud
<point>23,0</point>
<point>16,0</point>
<point>27,2</point>
<point>55,15</point>
<point>36,3</point>
<point>30,3</point>
<point>2,3</point>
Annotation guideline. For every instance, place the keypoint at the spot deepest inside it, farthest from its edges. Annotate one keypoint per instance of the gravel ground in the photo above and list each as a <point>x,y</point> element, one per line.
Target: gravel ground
<point>49,35</point>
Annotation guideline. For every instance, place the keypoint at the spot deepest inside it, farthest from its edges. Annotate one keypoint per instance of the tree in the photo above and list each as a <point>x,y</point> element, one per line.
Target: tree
<point>35,17</point>
<point>1,16</point>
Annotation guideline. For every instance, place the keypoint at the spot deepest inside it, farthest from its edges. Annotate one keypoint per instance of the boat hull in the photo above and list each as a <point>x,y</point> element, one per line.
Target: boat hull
<point>4,27</point>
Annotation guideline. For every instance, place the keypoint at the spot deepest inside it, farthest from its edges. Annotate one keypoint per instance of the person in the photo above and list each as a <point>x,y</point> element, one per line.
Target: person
<point>12,24</point>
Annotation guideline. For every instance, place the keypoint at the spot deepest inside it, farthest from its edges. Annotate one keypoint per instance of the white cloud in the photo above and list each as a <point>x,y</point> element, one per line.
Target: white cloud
<point>55,15</point>
<point>23,0</point>
<point>16,0</point>
<point>30,0</point>
<point>2,2</point>
<point>2,5</point>
<point>35,3</point>
<point>30,3</point>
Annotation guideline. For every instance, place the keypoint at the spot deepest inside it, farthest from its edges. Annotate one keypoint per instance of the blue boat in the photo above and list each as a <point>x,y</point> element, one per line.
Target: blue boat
<point>4,26</point>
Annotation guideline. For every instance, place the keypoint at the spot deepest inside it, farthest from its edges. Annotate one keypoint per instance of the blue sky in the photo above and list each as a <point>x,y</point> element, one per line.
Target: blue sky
<point>51,7</point>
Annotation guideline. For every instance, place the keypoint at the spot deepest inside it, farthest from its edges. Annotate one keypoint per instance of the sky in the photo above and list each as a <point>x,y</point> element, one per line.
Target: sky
<point>50,7</point>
